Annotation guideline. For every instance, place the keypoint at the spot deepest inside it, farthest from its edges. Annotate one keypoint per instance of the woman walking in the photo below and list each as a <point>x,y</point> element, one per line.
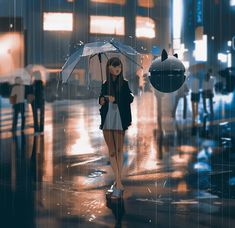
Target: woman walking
<point>115,111</point>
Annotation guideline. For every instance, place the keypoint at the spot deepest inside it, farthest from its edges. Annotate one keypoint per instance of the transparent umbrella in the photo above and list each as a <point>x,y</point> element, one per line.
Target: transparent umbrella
<point>20,72</point>
<point>98,49</point>
<point>31,68</point>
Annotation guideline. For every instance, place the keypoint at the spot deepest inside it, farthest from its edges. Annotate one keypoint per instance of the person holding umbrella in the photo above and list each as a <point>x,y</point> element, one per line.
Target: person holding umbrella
<point>207,91</point>
<point>38,102</point>
<point>115,99</point>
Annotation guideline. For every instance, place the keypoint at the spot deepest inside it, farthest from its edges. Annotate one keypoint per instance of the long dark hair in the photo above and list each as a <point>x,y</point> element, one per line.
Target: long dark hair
<point>114,87</point>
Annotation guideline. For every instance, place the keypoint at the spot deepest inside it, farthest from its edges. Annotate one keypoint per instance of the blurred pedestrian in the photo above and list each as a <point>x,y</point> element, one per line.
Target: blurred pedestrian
<point>38,103</point>
<point>207,91</point>
<point>182,92</point>
<point>17,100</point>
<point>115,99</point>
<point>195,94</point>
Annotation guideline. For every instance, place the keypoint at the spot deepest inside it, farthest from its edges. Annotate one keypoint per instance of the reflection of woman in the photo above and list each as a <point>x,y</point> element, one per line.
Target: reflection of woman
<point>115,99</point>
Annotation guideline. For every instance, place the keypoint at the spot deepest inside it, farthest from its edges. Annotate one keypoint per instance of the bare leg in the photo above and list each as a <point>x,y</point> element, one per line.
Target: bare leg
<point>109,139</point>
<point>119,141</point>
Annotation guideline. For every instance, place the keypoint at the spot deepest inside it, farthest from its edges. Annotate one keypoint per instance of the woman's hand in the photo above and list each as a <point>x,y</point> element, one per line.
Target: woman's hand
<point>111,99</point>
<point>102,100</point>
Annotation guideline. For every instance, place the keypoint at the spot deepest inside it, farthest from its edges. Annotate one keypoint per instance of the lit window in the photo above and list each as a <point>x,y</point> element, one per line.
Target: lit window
<point>107,25</point>
<point>146,3</point>
<point>119,2</point>
<point>57,21</point>
<point>145,27</point>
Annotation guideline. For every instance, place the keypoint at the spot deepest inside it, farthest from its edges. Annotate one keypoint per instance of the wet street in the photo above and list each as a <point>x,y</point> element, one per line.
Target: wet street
<point>180,176</point>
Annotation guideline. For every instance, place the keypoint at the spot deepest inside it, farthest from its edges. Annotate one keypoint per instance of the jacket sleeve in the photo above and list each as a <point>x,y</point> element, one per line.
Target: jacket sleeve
<point>129,94</point>
<point>13,91</point>
<point>102,92</point>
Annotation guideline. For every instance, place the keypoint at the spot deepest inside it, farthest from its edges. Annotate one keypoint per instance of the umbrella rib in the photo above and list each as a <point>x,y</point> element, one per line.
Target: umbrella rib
<point>127,56</point>
<point>70,73</point>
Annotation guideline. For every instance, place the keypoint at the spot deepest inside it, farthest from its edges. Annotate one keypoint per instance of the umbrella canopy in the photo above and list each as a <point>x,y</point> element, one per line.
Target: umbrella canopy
<point>33,69</point>
<point>92,49</point>
<point>20,72</point>
<point>197,67</point>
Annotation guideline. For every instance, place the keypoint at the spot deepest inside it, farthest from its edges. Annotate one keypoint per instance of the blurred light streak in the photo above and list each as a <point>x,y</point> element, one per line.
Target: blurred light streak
<point>232,2</point>
<point>229,58</point>
<point>222,57</point>
<point>146,3</point>
<point>202,167</point>
<point>48,148</point>
<point>119,2</point>
<point>187,149</point>
<point>177,18</point>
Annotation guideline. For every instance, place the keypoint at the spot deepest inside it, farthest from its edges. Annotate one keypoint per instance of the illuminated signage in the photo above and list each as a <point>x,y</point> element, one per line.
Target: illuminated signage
<point>199,12</point>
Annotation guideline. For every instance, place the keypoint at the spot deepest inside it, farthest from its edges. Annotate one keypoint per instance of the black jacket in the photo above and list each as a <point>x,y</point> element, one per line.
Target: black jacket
<point>123,100</point>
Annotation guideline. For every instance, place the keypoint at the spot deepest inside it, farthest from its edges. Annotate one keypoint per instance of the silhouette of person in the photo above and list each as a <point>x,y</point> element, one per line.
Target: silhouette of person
<point>18,91</point>
<point>207,91</point>
<point>195,95</point>
<point>115,100</point>
<point>38,103</point>
<point>182,92</point>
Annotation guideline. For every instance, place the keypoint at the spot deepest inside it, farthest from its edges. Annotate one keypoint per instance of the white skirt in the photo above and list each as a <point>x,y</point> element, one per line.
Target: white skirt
<point>113,119</point>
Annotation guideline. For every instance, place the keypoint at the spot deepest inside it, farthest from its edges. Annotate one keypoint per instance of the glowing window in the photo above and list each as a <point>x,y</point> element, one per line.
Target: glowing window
<point>107,25</point>
<point>146,3</point>
<point>119,2</point>
<point>57,21</point>
<point>145,27</point>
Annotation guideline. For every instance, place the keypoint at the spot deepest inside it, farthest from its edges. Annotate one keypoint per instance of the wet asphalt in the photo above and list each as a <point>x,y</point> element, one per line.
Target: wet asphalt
<point>178,176</point>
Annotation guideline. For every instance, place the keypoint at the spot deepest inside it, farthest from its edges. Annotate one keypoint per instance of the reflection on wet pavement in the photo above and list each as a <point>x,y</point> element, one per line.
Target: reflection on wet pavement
<point>173,178</point>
